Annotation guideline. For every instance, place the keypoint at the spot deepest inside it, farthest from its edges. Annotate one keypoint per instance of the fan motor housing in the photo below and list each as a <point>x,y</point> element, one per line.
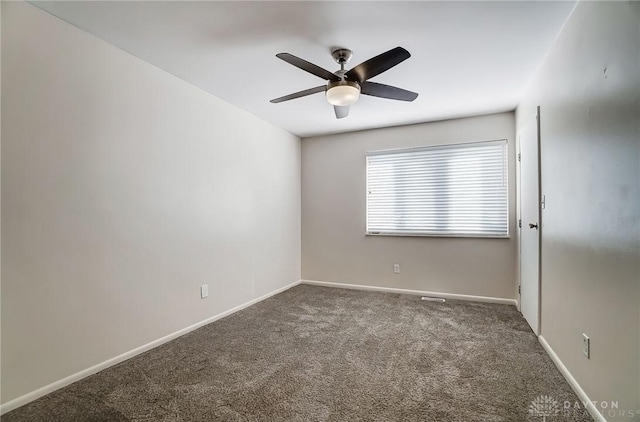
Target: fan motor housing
<point>343,82</point>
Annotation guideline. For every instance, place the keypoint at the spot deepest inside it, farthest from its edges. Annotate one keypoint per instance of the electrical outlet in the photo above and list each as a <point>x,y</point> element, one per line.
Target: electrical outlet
<point>586,346</point>
<point>396,268</point>
<point>204,291</point>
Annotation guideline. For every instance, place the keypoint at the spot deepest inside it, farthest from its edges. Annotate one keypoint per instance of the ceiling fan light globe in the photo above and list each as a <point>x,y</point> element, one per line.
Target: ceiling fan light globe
<point>343,94</point>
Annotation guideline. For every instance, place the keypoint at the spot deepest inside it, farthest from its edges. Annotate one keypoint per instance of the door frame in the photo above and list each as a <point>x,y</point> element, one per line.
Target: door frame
<point>519,223</point>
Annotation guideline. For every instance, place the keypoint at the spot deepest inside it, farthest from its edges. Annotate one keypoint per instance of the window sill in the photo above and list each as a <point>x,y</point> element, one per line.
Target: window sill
<point>466,236</point>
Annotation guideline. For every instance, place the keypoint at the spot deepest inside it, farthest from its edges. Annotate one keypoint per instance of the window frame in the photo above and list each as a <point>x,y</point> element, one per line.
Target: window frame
<point>439,235</point>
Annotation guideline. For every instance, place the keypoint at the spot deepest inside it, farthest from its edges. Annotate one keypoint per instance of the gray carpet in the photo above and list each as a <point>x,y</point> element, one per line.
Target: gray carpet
<point>323,354</point>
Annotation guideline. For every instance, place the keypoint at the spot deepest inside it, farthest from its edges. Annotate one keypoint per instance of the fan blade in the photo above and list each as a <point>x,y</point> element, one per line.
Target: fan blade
<point>308,67</point>
<point>299,94</point>
<point>341,111</point>
<point>378,64</point>
<point>387,91</point>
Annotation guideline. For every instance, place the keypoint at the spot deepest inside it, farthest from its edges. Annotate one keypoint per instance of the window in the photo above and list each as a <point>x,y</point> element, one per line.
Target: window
<point>449,190</point>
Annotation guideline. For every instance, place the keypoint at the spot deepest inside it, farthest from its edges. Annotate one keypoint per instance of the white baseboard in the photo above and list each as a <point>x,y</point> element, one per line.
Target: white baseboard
<point>29,397</point>
<point>503,301</point>
<point>591,408</point>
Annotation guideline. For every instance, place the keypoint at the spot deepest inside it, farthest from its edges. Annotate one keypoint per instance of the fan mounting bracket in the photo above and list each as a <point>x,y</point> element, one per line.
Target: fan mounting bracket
<point>341,55</point>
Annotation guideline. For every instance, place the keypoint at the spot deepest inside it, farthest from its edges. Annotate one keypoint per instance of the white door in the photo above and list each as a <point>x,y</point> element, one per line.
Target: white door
<point>530,220</point>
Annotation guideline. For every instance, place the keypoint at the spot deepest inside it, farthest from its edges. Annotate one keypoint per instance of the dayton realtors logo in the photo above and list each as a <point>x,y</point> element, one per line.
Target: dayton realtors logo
<point>547,406</point>
<point>544,406</point>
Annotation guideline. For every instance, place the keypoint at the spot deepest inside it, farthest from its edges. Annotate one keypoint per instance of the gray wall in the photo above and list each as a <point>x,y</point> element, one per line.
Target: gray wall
<point>334,245</point>
<point>589,92</point>
<point>123,190</point>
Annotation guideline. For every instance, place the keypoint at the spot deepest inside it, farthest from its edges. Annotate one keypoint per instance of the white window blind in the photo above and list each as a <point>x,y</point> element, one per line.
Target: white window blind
<point>449,190</point>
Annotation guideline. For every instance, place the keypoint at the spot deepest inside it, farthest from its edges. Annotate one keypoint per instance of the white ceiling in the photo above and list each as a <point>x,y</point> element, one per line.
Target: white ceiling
<point>468,58</point>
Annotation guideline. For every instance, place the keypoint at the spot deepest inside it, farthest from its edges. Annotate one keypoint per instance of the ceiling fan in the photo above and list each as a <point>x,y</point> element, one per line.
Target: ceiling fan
<point>345,86</point>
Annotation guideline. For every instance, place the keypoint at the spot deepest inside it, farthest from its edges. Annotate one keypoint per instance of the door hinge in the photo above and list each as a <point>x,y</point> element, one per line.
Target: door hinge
<point>519,223</point>
<point>519,157</point>
<point>519,290</point>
